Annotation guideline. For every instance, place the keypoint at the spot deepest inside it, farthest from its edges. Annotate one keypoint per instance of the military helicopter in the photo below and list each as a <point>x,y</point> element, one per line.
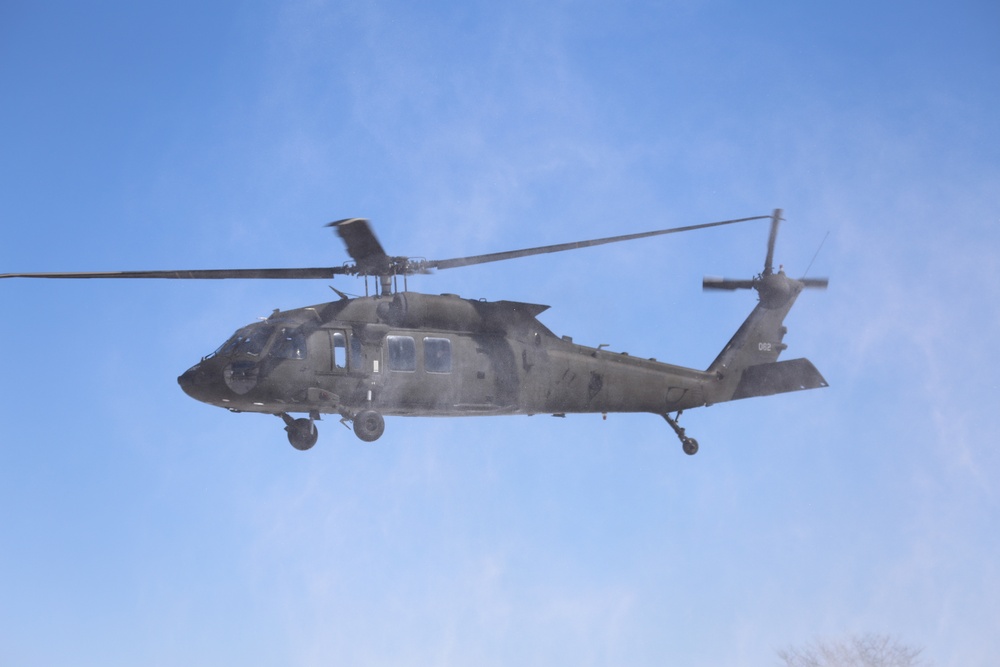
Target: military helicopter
<point>402,353</point>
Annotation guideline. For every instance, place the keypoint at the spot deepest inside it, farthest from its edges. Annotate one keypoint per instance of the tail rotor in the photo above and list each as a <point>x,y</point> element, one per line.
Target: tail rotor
<point>774,289</point>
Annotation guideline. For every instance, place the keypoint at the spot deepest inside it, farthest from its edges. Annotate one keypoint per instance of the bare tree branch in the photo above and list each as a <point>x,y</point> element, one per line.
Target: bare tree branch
<point>868,650</point>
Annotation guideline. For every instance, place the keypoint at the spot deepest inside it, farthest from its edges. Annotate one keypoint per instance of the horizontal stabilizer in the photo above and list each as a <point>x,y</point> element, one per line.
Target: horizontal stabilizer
<point>778,377</point>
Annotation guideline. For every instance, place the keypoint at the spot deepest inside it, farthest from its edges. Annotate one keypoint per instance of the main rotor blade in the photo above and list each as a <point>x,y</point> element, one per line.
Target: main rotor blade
<point>821,283</point>
<point>369,256</point>
<point>202,274</point>
<point>362,245</point>
<point>527,252</point>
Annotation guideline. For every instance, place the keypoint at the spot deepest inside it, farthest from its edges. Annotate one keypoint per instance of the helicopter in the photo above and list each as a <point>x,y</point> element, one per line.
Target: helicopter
<point>403,353</point>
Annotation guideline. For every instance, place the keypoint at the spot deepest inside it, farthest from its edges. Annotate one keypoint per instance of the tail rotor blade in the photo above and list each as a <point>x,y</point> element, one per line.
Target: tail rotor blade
<point>715,282</point>
<point>774,289</point>
<point>769,260</point>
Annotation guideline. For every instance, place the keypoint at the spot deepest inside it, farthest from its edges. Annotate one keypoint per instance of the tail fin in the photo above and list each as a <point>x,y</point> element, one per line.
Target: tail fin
<point>748,365</point>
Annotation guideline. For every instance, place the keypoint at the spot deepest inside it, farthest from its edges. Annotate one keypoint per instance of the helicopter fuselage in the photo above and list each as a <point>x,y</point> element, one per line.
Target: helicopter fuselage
<point>419,354</point>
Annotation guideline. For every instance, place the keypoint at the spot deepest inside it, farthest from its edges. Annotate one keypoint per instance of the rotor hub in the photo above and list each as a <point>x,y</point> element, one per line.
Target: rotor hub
<point>774,289</point>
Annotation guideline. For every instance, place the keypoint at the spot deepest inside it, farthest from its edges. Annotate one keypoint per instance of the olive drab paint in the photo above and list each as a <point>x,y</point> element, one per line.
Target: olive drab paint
<point>402,353</point>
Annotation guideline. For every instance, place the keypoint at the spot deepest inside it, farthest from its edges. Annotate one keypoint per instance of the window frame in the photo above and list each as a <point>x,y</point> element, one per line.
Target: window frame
<point>433,364</point>
<point>289,343</point>
<point>392,353</point>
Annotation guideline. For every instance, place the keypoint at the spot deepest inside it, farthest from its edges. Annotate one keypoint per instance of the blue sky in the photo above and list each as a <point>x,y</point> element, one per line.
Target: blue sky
<point>140,526</point>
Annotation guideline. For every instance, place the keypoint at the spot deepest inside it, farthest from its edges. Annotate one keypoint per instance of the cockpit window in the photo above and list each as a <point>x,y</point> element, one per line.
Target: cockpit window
<point>227,348</point>
<point>255,340</point>
<point>250,341</point>
<point>289,344</point>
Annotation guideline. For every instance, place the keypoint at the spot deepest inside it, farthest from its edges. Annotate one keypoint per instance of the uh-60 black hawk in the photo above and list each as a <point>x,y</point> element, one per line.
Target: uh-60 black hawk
<point>402,353</point>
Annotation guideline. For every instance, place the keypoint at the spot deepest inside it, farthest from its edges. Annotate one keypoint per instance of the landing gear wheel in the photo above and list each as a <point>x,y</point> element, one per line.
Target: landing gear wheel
<point>690,446</point>
<point>302,433</point>
<point>369,425</point>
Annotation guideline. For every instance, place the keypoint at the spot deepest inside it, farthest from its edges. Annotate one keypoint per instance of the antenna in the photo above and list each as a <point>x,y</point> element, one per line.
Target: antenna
<point>806,272</point>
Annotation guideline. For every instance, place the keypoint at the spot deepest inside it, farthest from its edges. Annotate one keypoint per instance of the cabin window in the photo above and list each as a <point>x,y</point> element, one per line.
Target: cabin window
<point>437,355</point>
<point>402,353</point>
<point>289,344</point>
<point>339,350</point>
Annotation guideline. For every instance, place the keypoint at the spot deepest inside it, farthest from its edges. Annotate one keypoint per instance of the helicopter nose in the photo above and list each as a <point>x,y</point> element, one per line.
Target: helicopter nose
<point>193,381</point>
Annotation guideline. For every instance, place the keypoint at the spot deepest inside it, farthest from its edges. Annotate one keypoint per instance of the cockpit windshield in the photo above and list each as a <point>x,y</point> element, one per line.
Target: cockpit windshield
<point>227,348</point>
<point>249,341</point>
<point>255,341</point>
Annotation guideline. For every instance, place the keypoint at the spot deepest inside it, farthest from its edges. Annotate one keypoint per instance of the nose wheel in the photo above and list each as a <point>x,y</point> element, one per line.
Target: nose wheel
<point>689,445</point>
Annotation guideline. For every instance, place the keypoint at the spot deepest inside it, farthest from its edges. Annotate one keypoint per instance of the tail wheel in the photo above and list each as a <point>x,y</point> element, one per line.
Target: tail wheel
<point>369,425</point>
<point>689,445</point>
<point>302,434</point>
